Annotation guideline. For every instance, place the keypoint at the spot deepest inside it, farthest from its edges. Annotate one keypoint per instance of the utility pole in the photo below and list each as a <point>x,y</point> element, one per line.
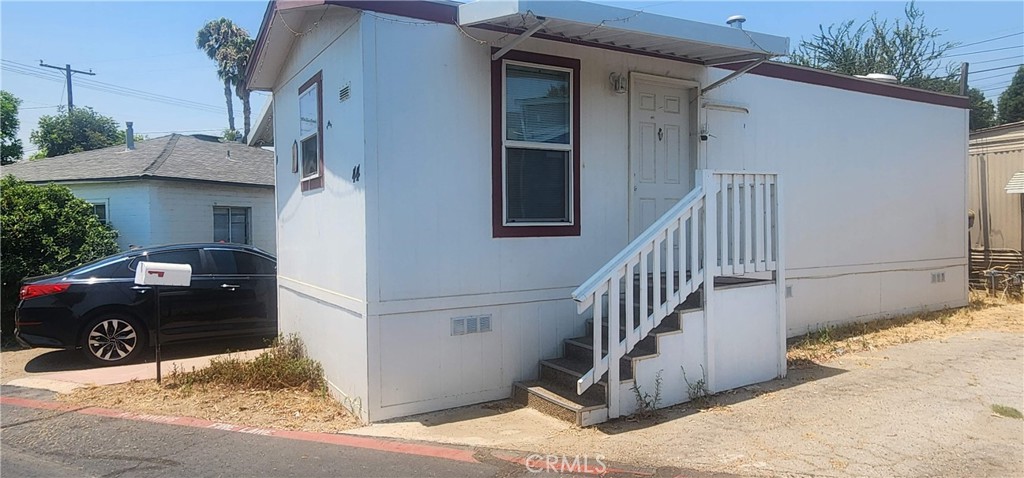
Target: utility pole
<point>67,75</point>
<point>963,78</point>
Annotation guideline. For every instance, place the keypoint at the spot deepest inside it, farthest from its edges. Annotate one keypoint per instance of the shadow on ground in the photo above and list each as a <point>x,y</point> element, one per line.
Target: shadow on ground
<point>68,360</point>
<point>801,373</point>
<point>805,372</point>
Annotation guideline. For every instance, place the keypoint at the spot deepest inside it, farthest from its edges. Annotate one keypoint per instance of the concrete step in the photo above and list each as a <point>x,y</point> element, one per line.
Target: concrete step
<point>560,402</point>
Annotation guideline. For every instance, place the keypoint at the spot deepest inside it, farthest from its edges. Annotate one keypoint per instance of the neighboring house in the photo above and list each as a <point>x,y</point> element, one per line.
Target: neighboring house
<point>469,184</point>
<point>171,189</point>
<point>996,158</point>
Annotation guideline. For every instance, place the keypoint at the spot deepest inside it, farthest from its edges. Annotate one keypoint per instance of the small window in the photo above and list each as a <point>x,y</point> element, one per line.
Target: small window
<point>311,160</point>
<point>536,145</point>
<point>231,224</point>
<point>99,208</point>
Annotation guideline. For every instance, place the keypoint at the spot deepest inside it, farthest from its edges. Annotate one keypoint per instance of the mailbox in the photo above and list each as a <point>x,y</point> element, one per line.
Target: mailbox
<point>162,273</point>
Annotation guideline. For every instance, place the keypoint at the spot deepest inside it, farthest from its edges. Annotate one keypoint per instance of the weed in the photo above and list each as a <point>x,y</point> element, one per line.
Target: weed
<point>646,405</point>
<point>283,366</point>
<point>1008,412</point>
<point>697,391</point>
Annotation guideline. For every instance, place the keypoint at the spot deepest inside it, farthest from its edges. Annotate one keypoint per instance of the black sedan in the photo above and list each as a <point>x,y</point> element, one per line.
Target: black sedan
<point>98,307</point>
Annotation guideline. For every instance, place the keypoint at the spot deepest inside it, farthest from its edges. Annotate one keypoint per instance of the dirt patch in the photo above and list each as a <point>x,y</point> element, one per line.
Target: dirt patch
<point>279,388</point>
<point>983,313</point>
<point>281,409</point>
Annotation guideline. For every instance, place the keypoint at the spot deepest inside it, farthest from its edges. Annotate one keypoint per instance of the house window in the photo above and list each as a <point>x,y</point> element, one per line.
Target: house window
<point>231,224</point>
<point>311,137</point>
<point>99,208</point>
<point>535,168</point>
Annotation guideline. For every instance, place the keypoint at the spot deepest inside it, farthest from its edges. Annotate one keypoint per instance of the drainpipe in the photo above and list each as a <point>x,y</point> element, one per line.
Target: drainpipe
<point>984,213</point>
<point>129,137</point>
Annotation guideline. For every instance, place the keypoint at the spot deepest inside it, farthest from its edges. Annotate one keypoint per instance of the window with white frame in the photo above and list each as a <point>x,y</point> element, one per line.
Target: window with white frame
<point>310,140</point>
<point>539,157</point>
<point>232,224</point>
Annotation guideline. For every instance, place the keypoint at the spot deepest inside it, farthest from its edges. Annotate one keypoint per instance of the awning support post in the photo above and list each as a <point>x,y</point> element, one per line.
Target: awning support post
<point>731,76</point>
<point>519,39</point>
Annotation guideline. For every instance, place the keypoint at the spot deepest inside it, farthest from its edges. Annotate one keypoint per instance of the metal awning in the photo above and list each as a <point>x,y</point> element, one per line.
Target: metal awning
<point>1016,183</point>
<point>625,29</point>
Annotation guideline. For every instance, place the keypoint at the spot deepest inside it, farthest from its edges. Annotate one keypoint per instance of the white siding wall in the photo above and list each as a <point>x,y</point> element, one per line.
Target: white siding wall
<point>875,194</point>
<point>435,257</point>
<point>183,212</point>
<point>128,205</point>
<point>322,233</point>
<point>874,197</point>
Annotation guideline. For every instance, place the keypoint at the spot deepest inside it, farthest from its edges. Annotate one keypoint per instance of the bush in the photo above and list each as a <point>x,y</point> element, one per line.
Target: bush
<point>44,230</point>
<point>283,366</point>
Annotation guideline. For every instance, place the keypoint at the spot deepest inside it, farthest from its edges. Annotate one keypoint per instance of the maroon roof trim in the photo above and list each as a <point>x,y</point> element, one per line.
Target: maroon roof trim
<point>833,80</point>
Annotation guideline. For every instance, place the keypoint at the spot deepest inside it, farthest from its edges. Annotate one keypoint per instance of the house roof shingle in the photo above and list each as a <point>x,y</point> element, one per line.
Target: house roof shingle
<point>197,158</point>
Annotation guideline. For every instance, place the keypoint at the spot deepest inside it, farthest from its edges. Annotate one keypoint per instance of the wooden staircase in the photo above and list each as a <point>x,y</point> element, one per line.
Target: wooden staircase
<point>554,392</point>
<point>726,228</point>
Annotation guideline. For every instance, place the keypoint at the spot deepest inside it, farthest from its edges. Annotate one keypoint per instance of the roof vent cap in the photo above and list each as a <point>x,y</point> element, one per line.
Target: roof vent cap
<point>736,21</point>
<point>880,77</point>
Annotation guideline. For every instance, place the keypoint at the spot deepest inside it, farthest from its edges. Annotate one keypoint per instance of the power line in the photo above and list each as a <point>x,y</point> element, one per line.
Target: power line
<point>986,41</point>
<point>994,76</point>
<point>995,87</point>
<point>995,60</point>
<point>999,68</point>
<point>28,70</point>
<point>982,51</point>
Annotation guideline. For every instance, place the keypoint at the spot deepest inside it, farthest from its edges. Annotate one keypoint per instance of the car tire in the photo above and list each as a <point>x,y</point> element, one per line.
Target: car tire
<point>113,339</point>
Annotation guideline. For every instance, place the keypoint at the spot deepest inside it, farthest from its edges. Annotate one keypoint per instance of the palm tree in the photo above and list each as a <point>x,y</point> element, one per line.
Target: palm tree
<point>211,39</point>
<point>235,56</point>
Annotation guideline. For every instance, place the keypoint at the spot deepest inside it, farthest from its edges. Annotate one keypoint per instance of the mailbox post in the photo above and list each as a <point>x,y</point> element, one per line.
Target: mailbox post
<point>156,274</point>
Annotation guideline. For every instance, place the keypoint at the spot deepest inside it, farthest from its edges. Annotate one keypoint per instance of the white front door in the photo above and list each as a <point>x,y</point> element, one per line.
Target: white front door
<point>660,163</point>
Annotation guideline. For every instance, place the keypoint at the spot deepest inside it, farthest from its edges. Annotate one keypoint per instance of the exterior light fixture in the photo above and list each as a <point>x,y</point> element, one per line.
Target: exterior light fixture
<point>619,82</point>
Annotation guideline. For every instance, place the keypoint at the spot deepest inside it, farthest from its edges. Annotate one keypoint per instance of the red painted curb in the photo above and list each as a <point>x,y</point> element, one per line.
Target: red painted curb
<point>329,438</point>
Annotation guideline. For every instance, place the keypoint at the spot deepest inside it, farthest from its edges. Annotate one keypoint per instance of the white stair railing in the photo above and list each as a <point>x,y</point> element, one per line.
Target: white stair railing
<point>730,217</point>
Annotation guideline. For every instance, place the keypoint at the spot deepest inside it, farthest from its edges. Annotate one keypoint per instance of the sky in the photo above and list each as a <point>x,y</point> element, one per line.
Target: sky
<point>141,51</point>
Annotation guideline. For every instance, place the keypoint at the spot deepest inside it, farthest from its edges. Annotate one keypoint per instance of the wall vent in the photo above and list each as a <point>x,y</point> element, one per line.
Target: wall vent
<point>458,326</point>
<point>789,291</point>
<point>471,325</point>
<point>344,93</point>
<point>938,277</point>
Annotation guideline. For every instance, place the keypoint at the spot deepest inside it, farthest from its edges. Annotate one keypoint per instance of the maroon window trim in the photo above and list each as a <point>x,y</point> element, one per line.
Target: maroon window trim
<point>316,182</point>
<point>499,229</point>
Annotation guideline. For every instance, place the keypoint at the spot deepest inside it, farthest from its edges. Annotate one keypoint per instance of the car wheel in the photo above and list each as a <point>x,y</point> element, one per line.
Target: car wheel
<point>113,340</point>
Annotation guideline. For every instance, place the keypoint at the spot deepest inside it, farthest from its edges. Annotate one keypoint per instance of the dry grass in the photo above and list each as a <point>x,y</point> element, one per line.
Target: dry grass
<point>983,312</point>
<point>280,388</point>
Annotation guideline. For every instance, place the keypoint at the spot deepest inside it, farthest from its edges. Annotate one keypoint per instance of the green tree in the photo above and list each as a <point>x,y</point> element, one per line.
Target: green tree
<point>44,230</point>
<point>81,129</point>
<point>217,39</point>
<point>905,48</point>
<point>10,145</point>
<point>1011,102</point>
